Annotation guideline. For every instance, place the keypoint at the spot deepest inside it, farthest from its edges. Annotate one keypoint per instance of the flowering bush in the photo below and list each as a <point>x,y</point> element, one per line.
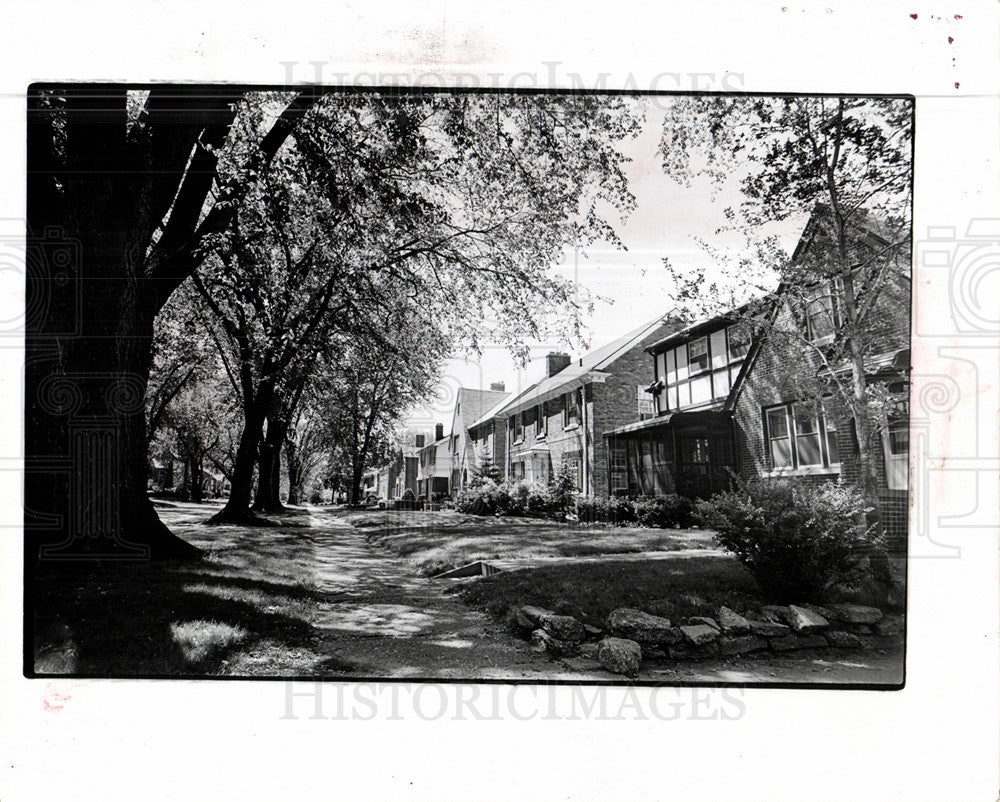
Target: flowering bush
<point>798,540</point>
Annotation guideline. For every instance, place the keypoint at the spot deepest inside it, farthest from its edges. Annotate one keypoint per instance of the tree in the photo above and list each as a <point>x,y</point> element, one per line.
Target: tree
<point>845,161</point>
<point>370,381</point>
<point>462,203</point>
<point>122,188</point>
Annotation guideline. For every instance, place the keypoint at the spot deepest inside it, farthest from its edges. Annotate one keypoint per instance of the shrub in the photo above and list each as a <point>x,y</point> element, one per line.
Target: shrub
<point>562,492</point>
<point>798,540</point>
<point>487,498</point>
<point>664,511</point>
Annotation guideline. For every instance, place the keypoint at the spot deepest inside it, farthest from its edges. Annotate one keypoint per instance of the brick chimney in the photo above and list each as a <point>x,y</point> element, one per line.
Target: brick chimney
<point>498,386</point>
<point>438,431</point>
<point>418,440</point>
<point>555,362</point>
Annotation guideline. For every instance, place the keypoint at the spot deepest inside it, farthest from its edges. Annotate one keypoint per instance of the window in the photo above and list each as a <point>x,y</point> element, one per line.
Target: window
<point>619,469</point>
<point>541,421</point>
<point>698,355</point>
<point>571,409</point>
<point>702,371</point>
<point>645,403</point>
<point>517,469</point>
<point>820,314</point>
<point>896,448</point>
<point>739,341</point>
<point>798,438</point>
<point>572,460</point>
<point>517,428</point>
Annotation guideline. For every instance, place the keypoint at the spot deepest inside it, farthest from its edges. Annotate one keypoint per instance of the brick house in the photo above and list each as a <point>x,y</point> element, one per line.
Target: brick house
<point>434,466</point>
<point>728,402</point>
<point>470,407</point>
<point>559,420</point>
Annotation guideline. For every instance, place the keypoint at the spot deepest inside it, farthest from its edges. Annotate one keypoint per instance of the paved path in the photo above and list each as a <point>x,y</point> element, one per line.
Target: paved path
<point>384,620</point>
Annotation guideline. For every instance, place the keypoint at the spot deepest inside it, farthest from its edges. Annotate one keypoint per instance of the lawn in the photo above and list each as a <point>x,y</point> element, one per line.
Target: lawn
<point>435,541</point>
<point>246,608</point>
<point>674,588</point>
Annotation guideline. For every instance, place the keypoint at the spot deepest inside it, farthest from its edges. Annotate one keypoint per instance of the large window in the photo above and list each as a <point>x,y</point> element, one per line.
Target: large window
<point>701,371</point>
<point>799,438</point>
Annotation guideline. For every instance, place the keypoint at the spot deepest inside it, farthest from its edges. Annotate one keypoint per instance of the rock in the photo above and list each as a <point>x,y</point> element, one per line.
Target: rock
<point>790,642</point>
<point>861,629</point>
<point>563,627</point>
<point>540,640</point>
<point>699,634</point>
<point>804,621</point>
<point>732,623</point>
<point>773,613</point>
<point>823,612</point>
<point>741,644</point>
<point>888,626</point>
<point>769,629</point>
<point>620,656</point>
<point>592,632</point>
<point>843,640</point>
<point>856,613</point>
<point>631,624</point>
<point>533,614</point>
<point>708,622</point>
<point>588,650</point>
<point>685,651</point>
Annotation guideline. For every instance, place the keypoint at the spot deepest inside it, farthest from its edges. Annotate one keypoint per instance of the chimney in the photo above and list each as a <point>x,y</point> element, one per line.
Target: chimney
<point>555,362</point>
<point>498,386</point>
<point>438,431</point>
<point>418,440</point>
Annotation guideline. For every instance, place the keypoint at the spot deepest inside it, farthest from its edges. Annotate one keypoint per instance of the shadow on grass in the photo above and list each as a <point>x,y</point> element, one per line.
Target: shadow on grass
<point>676,589</point>
<point>141,620</point>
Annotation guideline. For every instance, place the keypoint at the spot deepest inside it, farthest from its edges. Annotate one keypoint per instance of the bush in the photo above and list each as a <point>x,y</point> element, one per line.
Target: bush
<point>798,540</point>
<point>487,498</point>
<point>664,512</point>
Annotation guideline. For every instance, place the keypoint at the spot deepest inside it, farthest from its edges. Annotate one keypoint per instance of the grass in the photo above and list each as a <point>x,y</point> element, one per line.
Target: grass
<point>199,639</point>
<point>673,588</point>
<point>246,609</point>
<point>436,541</point>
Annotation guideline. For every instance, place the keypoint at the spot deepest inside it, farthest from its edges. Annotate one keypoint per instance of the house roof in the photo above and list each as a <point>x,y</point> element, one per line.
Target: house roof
<point>473,404</point>
<point>588,368</point>
<point>491,413</point>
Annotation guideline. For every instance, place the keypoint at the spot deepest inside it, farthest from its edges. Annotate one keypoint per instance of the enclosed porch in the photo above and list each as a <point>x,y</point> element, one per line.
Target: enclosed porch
<point>688,453</point>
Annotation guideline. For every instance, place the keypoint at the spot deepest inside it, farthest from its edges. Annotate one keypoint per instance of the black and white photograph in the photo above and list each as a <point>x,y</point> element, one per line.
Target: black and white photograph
<point>467,385</point>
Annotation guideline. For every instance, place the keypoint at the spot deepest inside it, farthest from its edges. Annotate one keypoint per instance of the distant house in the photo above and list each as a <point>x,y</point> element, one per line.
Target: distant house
<point>434,466</point>
<point>726,402</point>
<point>470,405</point>
<point>559,420</point>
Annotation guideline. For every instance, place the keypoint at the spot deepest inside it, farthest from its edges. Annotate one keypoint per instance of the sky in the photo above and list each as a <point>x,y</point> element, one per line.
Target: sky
<point>631,287</point>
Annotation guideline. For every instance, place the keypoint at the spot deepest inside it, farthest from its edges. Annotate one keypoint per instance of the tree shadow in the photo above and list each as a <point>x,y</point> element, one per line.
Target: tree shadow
<point>122,620</point>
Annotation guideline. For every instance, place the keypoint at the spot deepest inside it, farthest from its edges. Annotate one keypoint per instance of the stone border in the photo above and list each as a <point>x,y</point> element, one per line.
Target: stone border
<point>630,635</point>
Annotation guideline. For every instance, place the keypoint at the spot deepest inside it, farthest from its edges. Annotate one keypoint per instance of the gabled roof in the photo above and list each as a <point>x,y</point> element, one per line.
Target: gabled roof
<point>588,368</point>
<point>473,403</point>
<point>491,413</point>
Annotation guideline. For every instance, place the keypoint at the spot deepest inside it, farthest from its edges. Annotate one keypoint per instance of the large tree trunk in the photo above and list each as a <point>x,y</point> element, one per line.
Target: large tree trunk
<point>296,473</point>
<point>269,469</point>
<point>90,313</point>
<point>237,508</point>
